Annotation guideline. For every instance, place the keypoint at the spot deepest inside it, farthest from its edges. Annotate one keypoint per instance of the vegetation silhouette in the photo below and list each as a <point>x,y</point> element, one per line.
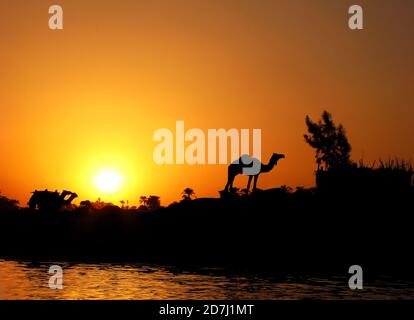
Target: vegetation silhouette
<point>356,214</point>
<point>150,203</point>
<point>97,205</point>
<point>47,200</point>
<point>188,194</point>
<point>332,149</point>
<point>7,204</point>
<point>336,173</point>
<point>143,200</point>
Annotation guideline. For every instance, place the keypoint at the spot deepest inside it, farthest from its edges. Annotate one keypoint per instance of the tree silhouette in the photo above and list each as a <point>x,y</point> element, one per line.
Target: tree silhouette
<point>99,204</point>
<point>153,202</point>
<point>188,194</point>
<point>122,204</point>
<point>331,145</point>
<point>143,200</point>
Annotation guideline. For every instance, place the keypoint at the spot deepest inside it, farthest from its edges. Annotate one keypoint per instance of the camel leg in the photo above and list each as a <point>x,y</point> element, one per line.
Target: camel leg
<point>248,183</point>
<point>229,184</point>
<point>255,182</point>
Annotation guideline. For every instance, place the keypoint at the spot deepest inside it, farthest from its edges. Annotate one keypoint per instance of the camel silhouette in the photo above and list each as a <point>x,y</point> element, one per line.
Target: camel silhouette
<point>47,200</point>
<point>237,167</point>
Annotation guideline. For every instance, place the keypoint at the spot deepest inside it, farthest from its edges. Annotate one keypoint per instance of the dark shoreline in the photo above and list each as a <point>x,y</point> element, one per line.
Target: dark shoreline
<point>267,231</point>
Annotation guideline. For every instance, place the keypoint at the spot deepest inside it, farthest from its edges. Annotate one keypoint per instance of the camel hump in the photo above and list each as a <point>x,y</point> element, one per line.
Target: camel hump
<point>245,159</point>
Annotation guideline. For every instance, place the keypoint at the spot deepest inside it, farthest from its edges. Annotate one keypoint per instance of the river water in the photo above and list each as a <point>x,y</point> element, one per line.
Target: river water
<point>27,280</point>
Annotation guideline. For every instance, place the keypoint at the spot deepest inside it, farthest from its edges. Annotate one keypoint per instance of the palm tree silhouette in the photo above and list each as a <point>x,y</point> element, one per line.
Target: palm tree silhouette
<point>286,189</point>
<point>143,200</point>
<point>188,194</point>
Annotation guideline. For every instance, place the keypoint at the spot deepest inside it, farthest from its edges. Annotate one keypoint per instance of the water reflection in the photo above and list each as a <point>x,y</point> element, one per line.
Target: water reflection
<point>24,280</point>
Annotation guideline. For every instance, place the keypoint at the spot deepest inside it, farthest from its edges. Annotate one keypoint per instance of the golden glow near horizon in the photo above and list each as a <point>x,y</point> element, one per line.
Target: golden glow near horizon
<point>88,98</point>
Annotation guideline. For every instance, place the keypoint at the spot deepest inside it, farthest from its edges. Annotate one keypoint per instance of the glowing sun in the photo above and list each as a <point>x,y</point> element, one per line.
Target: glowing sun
<point>108,181</point>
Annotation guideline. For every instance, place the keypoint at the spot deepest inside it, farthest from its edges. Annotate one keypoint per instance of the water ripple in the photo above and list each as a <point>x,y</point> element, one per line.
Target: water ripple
<point>25,280</point>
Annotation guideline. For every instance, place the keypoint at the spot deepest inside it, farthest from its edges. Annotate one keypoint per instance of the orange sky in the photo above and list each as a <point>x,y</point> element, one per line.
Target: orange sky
<point>91,96</point>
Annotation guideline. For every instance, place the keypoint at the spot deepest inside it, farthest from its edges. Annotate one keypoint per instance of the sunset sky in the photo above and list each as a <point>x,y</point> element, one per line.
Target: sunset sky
<point>88,99</point>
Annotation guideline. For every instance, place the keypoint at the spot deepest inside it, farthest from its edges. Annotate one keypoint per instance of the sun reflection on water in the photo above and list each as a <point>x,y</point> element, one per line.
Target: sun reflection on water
<point>19,280</point>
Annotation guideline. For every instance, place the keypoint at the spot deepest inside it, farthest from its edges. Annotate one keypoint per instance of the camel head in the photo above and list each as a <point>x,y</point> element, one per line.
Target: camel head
<point>277,156</point>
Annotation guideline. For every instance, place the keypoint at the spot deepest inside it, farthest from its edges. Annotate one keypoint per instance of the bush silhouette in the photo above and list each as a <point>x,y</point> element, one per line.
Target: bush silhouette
<point>7,204</point>
<point>392,177</point>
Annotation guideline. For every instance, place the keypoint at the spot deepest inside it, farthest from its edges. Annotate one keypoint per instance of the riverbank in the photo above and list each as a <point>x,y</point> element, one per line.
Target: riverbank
<point>268,230</point>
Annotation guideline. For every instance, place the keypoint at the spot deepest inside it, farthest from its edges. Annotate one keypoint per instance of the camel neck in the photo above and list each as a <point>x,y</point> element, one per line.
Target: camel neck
<point>268,167</point>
